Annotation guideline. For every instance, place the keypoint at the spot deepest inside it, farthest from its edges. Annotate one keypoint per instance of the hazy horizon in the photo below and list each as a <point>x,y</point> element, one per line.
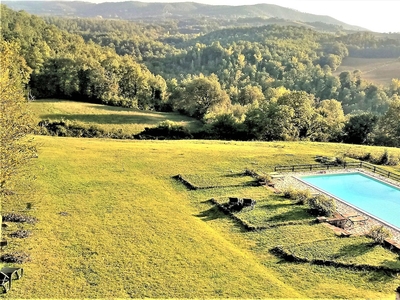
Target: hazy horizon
<point>379,16</point>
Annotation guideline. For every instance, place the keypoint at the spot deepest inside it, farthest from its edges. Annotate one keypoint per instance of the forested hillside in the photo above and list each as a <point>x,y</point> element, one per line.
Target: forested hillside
<point>250,82</point>
<point>63,65</point>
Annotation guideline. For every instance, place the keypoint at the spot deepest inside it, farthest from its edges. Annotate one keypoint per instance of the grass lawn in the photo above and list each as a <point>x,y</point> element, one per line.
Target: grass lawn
<point>109,118</point>
<point>113,223</point>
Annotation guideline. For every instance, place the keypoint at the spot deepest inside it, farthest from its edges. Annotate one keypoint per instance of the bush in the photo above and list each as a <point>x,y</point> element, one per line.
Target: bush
<point>378,158</point>
<point>250,172</point>
<point>15,257</point>
<point>297,196</point>
<point>67,128</point>
<point>379,234</point>
<point>322,205</point>
<point>263,179</point>
<point>13,217</point>
<point>165,130</point>
<point>21,234</point>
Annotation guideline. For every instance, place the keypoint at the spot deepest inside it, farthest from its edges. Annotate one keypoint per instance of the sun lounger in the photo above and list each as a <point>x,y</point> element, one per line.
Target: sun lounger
<point>249,202</point>
<point>337,220</point>
<point>12,273</point>
<point>5,282</point>
<point>358,220</point>
<point>234,201</point>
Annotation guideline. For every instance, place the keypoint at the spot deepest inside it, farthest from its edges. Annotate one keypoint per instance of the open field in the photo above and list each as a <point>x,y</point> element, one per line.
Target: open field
<point>109,118</point>
<point>113,223</point>
<point>376,70</point>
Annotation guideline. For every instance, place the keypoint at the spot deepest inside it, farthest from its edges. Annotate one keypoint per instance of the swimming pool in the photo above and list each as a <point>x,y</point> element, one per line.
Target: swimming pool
<point>373,197</point>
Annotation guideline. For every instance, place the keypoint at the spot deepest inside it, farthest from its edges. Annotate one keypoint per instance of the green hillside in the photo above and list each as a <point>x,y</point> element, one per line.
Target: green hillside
<point>109,118</point>
<point>113,223</point>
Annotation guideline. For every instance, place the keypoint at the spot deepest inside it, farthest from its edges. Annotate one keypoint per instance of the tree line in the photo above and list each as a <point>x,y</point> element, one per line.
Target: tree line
<point>266,82</point>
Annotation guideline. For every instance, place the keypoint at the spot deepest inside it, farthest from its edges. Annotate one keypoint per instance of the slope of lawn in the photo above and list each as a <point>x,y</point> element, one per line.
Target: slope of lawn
<point>113,223</point>
<point>108,118</point>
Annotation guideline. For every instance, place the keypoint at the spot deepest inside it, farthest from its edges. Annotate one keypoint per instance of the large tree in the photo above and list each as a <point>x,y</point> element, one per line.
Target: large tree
<point>203,96</point>
<point>15,122</point>
<point>388,130</point>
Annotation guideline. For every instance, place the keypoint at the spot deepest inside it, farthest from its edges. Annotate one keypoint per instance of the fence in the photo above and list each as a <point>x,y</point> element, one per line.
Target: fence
<point>365,165</point>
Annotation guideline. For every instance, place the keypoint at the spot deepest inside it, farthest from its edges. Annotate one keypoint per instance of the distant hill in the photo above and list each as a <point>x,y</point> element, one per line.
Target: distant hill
<point>134,10</point>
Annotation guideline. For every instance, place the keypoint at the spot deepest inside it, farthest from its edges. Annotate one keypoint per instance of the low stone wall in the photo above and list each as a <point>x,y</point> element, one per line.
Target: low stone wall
<point>284,254</point>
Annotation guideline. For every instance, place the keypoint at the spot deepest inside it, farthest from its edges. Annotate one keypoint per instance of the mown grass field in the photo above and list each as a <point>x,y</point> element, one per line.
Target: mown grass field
<point>113,223</point>
<point>108,118</point>
<point>376,70</point>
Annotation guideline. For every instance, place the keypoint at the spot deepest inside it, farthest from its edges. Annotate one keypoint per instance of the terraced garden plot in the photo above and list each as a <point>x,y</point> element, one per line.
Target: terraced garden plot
<point>355,250</point>
<point>272,210</point>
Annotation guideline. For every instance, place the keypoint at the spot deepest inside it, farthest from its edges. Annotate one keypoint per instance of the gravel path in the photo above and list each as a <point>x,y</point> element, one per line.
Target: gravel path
<point>289,181</point>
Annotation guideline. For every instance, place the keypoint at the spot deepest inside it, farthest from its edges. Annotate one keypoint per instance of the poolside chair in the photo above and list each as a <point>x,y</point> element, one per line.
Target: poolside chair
<point>5,282</point>
<point>3,244</point>
<point>12,273</point>
<point>338,220</point>
<point>358,220</point>
<point>234,201</point>
<point>249,202</point>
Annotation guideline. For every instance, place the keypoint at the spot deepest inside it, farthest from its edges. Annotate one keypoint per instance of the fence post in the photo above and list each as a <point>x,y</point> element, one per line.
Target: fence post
<point>374,169</point>
<point>388,174</point>
<point>292,168</point>
<point>310,167</point>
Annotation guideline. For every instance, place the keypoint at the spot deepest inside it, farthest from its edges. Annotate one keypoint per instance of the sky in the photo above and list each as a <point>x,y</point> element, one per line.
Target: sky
<point>379,16</point>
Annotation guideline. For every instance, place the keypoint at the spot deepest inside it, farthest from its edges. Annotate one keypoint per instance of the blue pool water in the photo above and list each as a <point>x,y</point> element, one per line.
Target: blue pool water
<point>372,196</point>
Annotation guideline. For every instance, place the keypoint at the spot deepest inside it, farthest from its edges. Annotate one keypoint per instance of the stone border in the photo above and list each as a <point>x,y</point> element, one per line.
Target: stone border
<point>290,257</point>
<point>193,187</point>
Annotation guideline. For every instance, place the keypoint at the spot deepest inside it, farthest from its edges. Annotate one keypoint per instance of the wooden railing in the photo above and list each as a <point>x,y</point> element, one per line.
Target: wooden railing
<point>365,165</point>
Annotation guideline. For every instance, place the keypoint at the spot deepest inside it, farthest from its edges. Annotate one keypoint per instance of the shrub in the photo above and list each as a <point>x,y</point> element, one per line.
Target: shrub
<point>21,234</point>
<point>297,196</point>
<point>165,130</point>
<point>379,234</point>
<point>379,158</point>
<point>13,217</point>
<point>15,257</point>
<point>322,205</point>
<point>263,179</point>
<point>250,172</point>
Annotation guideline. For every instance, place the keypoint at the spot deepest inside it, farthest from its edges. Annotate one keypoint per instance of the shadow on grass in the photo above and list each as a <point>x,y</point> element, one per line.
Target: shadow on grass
<point>215,213</point>
<point>355,250</point>
<point>392,264</point>
<point>234,175</point>
<point>111,108</point>
<point>380,277</point>
<point>276,206</point>
<point>211,214</point>
<point>295,214</point>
